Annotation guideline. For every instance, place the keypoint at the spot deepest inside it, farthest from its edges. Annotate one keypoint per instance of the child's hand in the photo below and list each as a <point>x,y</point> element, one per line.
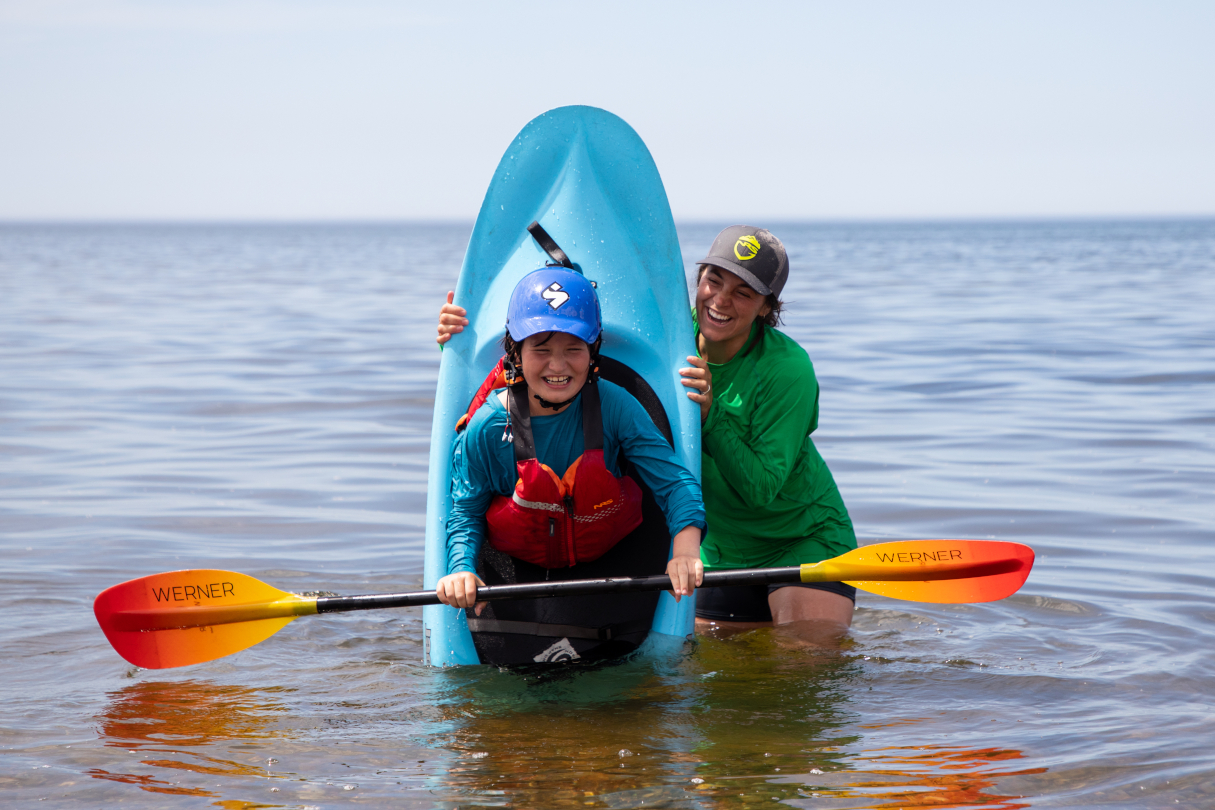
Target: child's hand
<point>451,321</point>
<point>460,590</point>
<point>686,572</point>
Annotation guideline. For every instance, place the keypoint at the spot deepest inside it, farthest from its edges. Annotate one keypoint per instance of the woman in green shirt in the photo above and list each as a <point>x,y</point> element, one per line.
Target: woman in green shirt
<point>769,497</point>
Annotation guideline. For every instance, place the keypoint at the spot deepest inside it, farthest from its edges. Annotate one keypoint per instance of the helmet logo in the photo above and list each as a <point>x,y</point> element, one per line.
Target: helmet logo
<point>747,247</point>
<point>555,296</point>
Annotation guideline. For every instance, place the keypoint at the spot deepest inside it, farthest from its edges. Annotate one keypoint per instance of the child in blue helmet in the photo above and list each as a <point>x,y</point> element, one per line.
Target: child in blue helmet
<point>519,442</point>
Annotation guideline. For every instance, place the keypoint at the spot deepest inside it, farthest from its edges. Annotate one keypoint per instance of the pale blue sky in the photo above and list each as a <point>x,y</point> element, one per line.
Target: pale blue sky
<point>354,109</point>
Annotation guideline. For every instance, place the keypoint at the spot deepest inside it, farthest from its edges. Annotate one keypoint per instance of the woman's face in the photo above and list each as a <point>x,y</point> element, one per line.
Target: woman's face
<point>555,365</point>
<point>725,306</point>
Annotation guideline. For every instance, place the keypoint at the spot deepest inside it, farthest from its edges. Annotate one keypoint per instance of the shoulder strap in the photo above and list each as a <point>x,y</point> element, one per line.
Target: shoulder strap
<point>592,417</point>
<point>520,422</point>
<point>549,245</point>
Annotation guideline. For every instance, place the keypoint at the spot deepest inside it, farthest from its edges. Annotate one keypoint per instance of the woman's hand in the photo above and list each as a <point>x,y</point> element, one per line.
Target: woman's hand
<point>451,320</point>
<point>700,380</point>
<point>460,590</point>
<point>685,568</point>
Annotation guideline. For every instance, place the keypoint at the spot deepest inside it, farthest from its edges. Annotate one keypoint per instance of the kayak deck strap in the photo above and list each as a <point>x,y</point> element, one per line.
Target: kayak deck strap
<point>549,245</point>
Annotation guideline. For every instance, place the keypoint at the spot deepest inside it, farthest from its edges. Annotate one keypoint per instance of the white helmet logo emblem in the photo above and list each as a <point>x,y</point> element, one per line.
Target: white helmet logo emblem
<point>555,296</point>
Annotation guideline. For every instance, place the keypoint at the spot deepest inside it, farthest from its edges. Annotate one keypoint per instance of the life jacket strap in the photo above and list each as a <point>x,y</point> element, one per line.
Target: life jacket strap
<point>592,417</point>
<point>605,633</point>
<point>520,415</point>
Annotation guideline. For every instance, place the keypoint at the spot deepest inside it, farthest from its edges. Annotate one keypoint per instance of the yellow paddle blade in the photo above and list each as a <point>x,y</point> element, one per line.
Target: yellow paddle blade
<point>187,617</point>
<point>943,571</point>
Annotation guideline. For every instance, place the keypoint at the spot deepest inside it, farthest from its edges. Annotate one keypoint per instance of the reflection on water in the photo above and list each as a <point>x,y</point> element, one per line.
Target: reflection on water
<point>170,718</point>
<point>563,741</point>
<point>148,783</point>
<point>734,721</point>
<point>188,713</point>
<point>606,736</point>
<point>927,776</point>
<point>684,725</point>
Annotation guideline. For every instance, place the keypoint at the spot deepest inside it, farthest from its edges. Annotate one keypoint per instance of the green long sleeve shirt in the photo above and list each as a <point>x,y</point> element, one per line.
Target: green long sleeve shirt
<point>770,499</point>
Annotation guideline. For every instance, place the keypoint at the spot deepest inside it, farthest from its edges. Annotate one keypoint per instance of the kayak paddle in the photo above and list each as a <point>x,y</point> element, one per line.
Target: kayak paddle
<point>187,617</point>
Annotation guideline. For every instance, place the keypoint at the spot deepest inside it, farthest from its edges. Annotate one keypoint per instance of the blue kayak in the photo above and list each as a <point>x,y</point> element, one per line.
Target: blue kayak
<point>586,177</point>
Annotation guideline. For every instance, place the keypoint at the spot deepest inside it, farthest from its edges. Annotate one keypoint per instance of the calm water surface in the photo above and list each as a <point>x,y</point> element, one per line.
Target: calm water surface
<point>259,399</point>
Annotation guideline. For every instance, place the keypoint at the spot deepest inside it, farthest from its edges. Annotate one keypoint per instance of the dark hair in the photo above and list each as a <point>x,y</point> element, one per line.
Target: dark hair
<point>774,304</point>
<point>514,348</point>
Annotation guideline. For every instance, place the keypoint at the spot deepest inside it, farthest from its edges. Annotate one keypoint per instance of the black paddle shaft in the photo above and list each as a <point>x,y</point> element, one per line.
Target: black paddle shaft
<point>572,587</point>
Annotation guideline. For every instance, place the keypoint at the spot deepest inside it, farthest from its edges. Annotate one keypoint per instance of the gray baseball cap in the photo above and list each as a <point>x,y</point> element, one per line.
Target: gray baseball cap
<point>752,254</point>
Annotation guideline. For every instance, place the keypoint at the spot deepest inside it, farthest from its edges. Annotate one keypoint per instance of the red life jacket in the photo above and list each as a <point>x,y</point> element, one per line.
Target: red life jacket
<point>554,521</point>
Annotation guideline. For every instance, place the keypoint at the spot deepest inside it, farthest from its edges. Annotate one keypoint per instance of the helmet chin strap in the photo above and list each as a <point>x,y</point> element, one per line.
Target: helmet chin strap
<point>556,406</point>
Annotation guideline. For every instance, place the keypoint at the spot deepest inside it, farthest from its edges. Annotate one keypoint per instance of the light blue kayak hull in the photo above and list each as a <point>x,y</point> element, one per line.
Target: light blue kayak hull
<point>588,179</point>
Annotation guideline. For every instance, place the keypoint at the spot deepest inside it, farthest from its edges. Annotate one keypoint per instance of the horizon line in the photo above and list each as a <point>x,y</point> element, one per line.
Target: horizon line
<point>690,221</point>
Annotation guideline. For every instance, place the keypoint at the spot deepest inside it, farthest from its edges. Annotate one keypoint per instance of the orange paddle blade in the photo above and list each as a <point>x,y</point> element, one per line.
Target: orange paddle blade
<point>187,617</point>
<point>944,571</point>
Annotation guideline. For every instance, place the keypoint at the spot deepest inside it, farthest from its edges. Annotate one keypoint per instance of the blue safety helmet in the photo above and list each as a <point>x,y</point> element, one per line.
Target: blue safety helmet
<point>553,299</point>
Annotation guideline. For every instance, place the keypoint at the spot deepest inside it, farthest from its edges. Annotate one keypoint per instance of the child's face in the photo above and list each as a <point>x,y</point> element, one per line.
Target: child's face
<point>555,365</point>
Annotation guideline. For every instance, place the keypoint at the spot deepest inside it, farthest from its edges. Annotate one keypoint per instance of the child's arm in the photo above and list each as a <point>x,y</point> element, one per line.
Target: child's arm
<point>675,488</point>
<point>480,469</point>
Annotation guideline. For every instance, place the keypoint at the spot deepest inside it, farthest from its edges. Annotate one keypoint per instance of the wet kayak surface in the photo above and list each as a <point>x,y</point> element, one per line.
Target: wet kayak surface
<point>259,399</point>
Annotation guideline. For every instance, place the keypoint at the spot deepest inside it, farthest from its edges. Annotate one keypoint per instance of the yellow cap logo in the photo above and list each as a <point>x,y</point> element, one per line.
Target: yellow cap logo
<point>747,247</point>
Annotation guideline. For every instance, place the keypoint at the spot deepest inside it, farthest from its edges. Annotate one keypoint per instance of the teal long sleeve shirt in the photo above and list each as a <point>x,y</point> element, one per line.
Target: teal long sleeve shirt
<point>483,465</point>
